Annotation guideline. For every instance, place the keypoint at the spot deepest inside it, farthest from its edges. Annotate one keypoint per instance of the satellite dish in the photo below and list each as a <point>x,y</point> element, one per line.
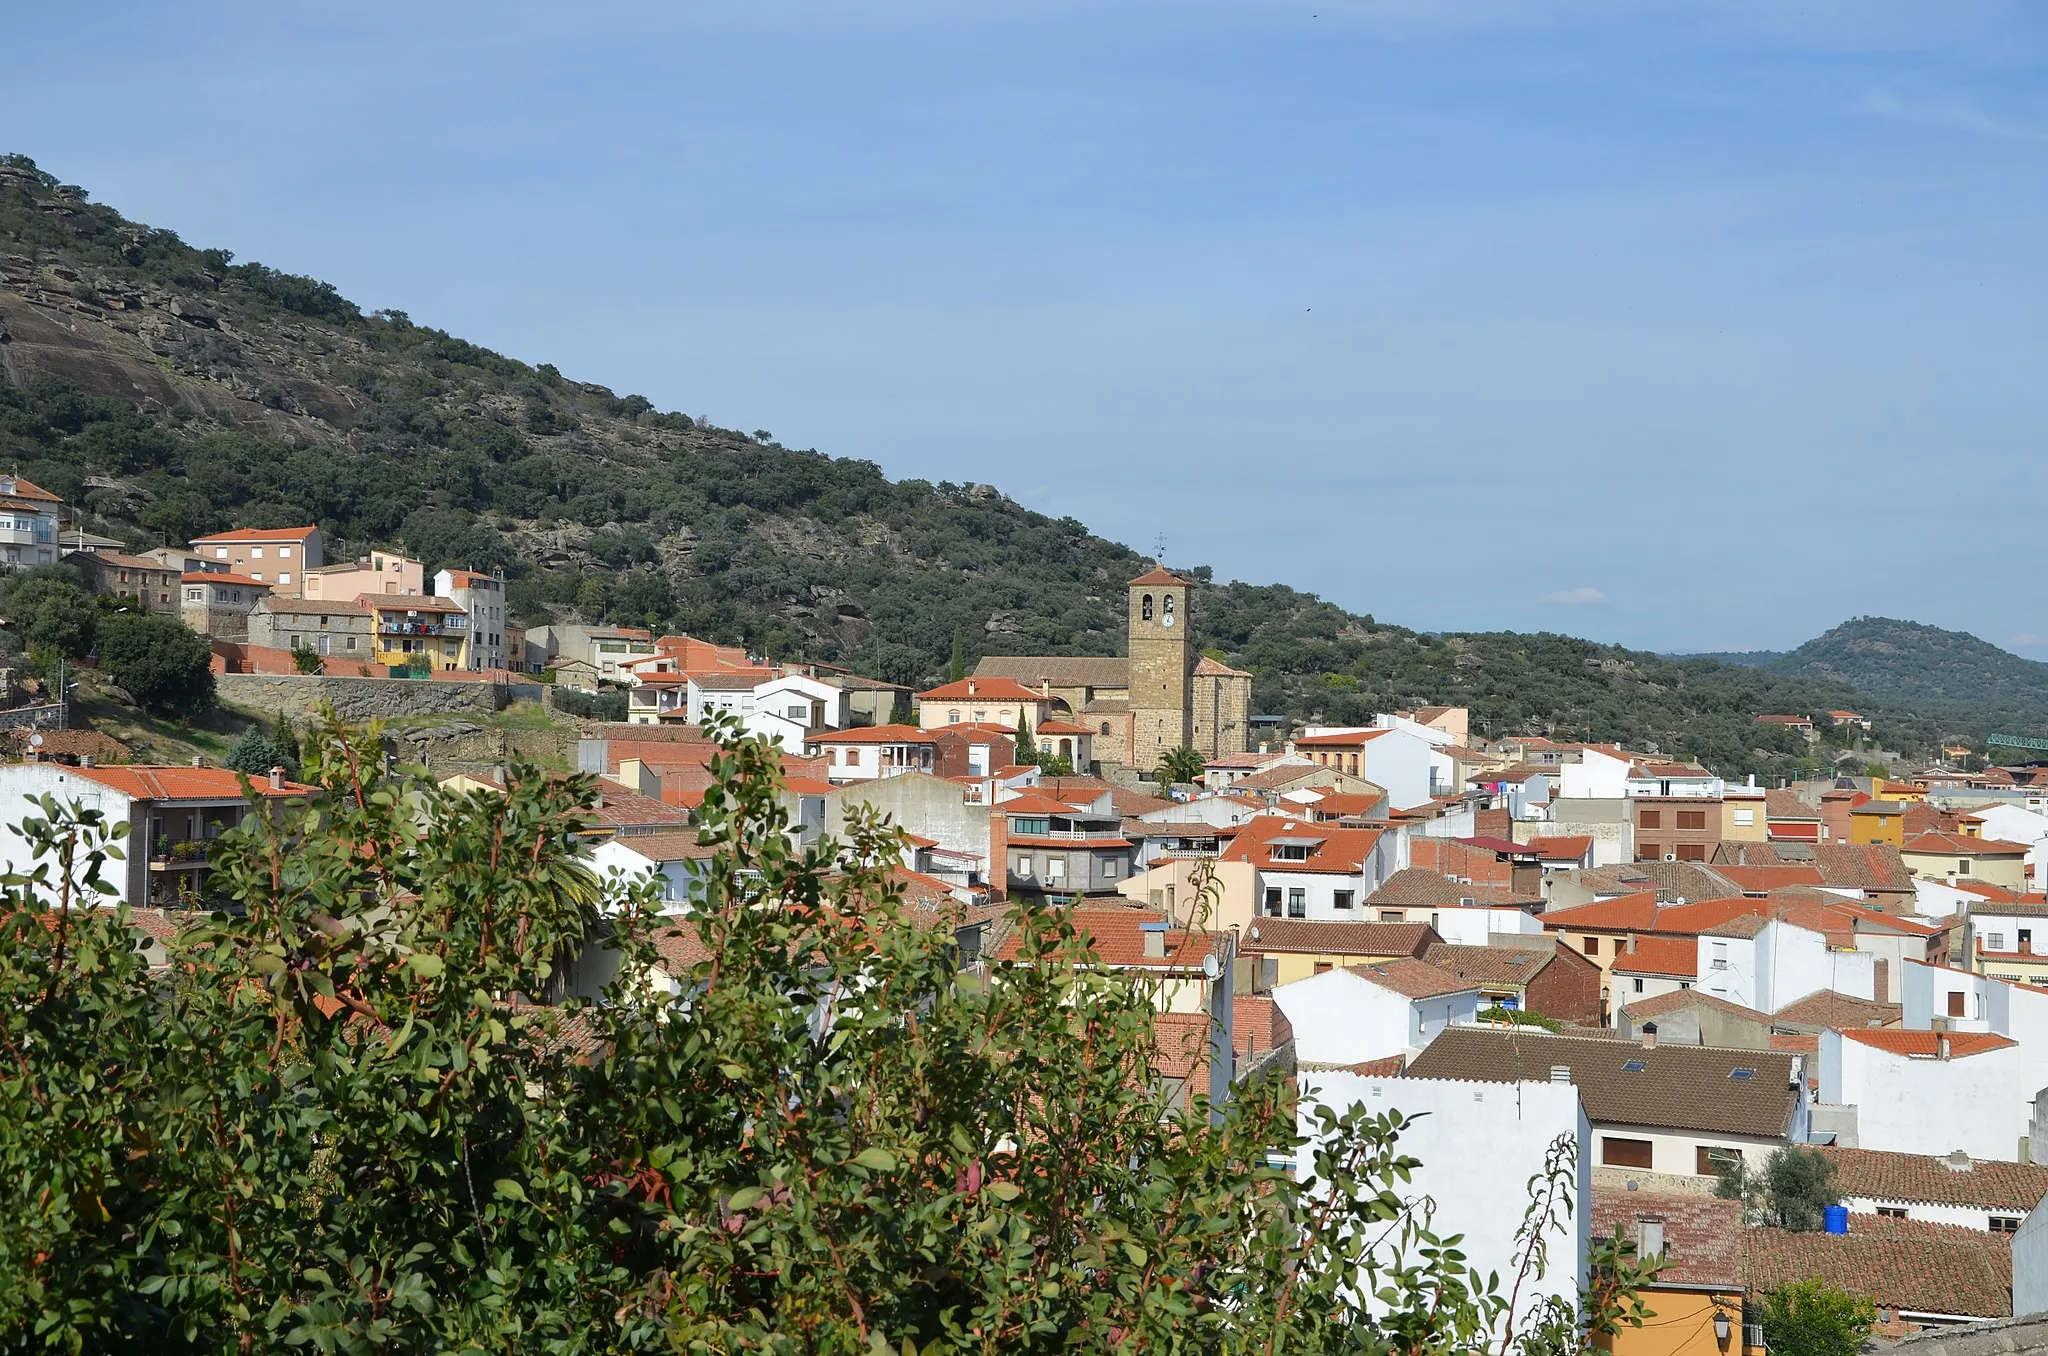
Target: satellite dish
<point>1212,968</point>
<point>35,741</point>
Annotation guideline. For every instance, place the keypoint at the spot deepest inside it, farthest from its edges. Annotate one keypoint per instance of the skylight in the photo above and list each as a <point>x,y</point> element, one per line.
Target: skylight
<point>1634,1066</point>
<point>1742,1075</point>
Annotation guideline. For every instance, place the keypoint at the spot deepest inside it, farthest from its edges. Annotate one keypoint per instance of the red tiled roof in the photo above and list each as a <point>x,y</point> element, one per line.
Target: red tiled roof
<point>1763,879</point>
<point>28,489</point>
<point>1338,741</point>
<point>1678,1000</point>
<point>1899,1263</point>
<point>1567,848</point>
<point>1894,1040</point>
<point>1928,1180</point>
<point>1205,667</point>
<point>1623,913</point>
<point>1674,956</point>
<point>982,689</point>
<point>1954,844</point>
<point>181,783</point>
<point>1335,851</point>
<point>1702,1235</point>
<point>263,534</point>
<point>1117,936</point>
<point>1159,575</point>
<point>1412,978</point>
<point>1267,935</point>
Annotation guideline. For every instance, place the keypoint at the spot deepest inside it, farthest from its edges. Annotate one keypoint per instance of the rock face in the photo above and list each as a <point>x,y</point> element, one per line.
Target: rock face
<point>356,700</point>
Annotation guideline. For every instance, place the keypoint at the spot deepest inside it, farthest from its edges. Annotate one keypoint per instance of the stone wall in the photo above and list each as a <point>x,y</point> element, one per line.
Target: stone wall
<point>357,699</point>
<point>45,717</point>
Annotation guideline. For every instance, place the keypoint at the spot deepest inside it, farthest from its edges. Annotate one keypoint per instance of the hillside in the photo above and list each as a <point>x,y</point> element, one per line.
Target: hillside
<point>1971,683</point>
<point>171,391</point>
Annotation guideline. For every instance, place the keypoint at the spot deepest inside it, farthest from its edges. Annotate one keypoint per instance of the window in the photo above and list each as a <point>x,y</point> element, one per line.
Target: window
<point>1055,870</point>
<point>1031,824</point>
<point>220,553</point>
<point>1297,903</point>
<point>1390,915</point>
<point>284,553</point>
<point>255,553</point>
<point>1145,608</point>
<point>1290,852</point>
<point>1715,1160</point>
<point>1272,903</point>
<point>1109,868</point>
<point>1639,985</point>
<point>195,595</point>
<point>952,718</point>
<point>1745,818</point>
<point>326,644</point>
<point>1720,955</point>
<point>256,575</point>
<point>1958,1003</point>
<point>1624,1153</point>
<point>2026,939</point>
<point>1168,601</point>
<point>1891,1211</point>
<point>285,578</point>
<point>1994,941</point>
<point>1649,1238</point>
<point>1020,865</point>
<point>1590,945</point>
<point>1649,819</point>
<point>1105,727</point>
<point>1340,899</point>
<point>1321,966</point>
<point>1692,852</point>
<point>1648,852</point>
<point>1692,819</point>
<point>351,642</point>
<point>2004,1224</point>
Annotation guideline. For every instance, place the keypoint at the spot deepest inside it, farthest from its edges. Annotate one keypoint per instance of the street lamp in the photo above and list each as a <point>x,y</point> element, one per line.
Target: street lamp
<point>1721,1326</point>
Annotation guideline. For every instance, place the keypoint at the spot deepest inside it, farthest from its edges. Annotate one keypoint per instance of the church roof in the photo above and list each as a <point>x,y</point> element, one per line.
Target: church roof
<point>1158,575</point>
<point>1206,667</point>
<point>1061,670</point>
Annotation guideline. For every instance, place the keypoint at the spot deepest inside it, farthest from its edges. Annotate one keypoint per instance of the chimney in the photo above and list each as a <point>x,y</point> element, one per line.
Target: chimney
<point>1155,940</point>
<point>970,687</point>
<point>1560,1073</point>
<point>1631,944</point>
<point>277,778</point>
<point>1941,1045</point>
<point>197,761</point>
<point>498,774</point>
<point>87,761</point>
<point>1649,1035</point>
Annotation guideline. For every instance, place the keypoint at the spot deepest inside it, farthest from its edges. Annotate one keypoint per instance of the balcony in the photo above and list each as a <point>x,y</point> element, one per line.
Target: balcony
<point>416,628</point>
<point>184,854</point>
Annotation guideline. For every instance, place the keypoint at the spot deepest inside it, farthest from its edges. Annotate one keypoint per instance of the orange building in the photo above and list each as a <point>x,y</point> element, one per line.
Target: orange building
<point>1695,1303</point>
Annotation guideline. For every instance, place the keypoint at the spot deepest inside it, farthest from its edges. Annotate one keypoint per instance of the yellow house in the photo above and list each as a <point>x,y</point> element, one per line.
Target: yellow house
<point>419,633</point>
<point>1890,790</point>
<point>1742,815</point>
<point>1198,892</point>
<point>1297,948</point>
<point>1939,856</point>
<point>1697,1296</point>
<point>1878,821</point>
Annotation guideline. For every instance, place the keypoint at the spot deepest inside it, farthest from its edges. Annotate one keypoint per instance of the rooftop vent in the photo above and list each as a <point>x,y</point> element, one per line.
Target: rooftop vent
<point>1959,1161</point>
<point>1560,1073</point>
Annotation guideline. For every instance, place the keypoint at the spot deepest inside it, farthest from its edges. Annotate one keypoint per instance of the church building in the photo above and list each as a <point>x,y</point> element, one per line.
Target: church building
<point>1160,696</point>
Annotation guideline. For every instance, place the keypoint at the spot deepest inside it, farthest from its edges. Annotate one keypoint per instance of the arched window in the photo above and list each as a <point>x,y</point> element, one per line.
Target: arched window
<point>1105,727</point>
<point>831,758</point>
<point>1169,604</point>
<point>1145,608</point>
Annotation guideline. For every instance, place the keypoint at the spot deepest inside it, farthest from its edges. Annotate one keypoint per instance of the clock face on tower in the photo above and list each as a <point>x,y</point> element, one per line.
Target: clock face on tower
<point>1166,620</point>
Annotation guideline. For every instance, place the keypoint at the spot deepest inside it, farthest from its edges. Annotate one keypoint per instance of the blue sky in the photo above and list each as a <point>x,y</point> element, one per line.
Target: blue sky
<point>1683,325</point>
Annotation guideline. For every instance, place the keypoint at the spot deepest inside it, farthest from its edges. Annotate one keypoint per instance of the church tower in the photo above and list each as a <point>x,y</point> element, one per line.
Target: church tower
<point>1160,666</point>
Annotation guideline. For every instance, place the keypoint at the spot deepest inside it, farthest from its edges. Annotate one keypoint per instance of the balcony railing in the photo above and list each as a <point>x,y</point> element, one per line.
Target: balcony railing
<point>413,628</point>
<point>168,854</point>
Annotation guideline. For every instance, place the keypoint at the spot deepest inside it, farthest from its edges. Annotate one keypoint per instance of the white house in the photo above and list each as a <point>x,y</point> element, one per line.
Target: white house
<point>672,860</point>
<point>1359,1013</point>
<point>1597,775</point>
<point>1479,1144</point>
<point>1397,760</point>
<point>1468,924</point>
<point>1970,1193</point>
<point>872,751</point>
<point>1313,870</point>
<point>1932,1092</point>
<point>1765,963</point>
<point>1673,779</point>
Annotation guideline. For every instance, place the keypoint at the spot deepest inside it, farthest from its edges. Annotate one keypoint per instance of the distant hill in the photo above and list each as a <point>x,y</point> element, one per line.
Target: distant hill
<point>170,391</point>
<point>1748,659</point>
<point>1951,675</point>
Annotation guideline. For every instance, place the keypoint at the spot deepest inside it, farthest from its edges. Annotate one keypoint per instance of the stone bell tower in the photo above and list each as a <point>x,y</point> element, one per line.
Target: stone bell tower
<point>1160,666</point>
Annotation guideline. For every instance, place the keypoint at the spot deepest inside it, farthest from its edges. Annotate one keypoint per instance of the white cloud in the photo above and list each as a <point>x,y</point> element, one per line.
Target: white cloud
<point>2025,638</point>
<point>1578,597</point>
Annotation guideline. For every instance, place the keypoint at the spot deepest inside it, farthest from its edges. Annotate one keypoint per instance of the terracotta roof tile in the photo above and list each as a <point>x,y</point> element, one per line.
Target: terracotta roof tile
<point>1491,964</point>
<point>1412,978</point>
<point>1922,1044</point>
<point>1331,850</point>
<point>1899,1263</point>
<point>263,534</point>
<point>1955,844</point>
<point>1702,1235</point>
<point>1679,1000</point>
<point>181,783</point>
<point>1419,887</point>
<point>982,689</point>
<point>1673,957</point>
<point>1925,1179</point>
<point>1267,935</point>
<point>1826,1008</point>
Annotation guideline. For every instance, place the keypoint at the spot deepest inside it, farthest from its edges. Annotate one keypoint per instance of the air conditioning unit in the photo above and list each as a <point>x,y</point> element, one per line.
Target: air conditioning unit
<point>1670,856</point>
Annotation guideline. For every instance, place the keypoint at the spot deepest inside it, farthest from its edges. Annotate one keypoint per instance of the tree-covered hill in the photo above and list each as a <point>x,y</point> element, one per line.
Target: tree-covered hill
<point>171,391</point>
<point>1970,683</point>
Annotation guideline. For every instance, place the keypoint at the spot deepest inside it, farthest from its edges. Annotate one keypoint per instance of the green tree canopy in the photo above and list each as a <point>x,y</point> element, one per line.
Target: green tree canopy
<point>337,1121</point>
<point>1791,1190</point>
<point>50,610</point>
<point>160,661</point>
<point>1812,1318</point>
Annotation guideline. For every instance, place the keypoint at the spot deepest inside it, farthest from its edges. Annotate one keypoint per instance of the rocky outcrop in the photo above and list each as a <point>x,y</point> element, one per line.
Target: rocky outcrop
<point>356,700</point>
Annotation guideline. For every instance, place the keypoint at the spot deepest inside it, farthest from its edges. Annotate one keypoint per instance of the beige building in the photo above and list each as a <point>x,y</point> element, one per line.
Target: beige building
<point>384,572</point>
<point>1162,695</point>
<point>1742,815</point>
<point>277,557</point>
<point>1000,702</point>
<point>482,597</point>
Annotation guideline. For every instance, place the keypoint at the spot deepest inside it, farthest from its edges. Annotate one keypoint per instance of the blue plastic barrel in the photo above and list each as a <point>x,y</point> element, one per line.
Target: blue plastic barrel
<point>1835,1219</point>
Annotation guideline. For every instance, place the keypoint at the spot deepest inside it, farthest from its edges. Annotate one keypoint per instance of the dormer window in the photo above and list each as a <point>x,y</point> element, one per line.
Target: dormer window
<point>1290,852</point>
